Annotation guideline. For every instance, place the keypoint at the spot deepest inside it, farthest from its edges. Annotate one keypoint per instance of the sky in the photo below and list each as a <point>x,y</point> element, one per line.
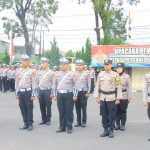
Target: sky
<point>73,23</point>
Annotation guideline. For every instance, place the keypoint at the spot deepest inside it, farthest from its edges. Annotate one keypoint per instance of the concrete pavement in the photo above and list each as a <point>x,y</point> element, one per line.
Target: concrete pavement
<point>45,137</point>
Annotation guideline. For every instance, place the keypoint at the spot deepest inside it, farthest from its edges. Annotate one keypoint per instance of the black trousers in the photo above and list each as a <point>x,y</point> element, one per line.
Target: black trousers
<point>1,84</point>
<point>81,105</point>
<point>121,112</point>
<point>107,110</point>
<point>45,104</point>
<point>92,85</point>
<point>65,107</point>
<point>148,110</point>
<point>12,84</point>
<point>4,82</point>
<point>26,107</point>
<point>8,84</point>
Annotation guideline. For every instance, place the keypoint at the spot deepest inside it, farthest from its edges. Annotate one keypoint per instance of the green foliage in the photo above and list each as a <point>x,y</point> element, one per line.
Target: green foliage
<point>36,60</point>
<point>69,53</point>
<point>53,55</point>
<point>113,19</point>
<point>133,2</point>
<point>30,13</point>
<point>4,57</point>
<point>85,53</point>
<point>9,25</point>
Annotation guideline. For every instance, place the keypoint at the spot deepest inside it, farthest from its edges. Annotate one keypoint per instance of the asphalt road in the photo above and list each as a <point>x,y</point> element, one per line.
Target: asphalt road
<point>45,137</point>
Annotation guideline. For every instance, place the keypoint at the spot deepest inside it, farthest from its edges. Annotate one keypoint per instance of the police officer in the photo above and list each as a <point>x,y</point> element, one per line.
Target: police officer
<point>4,77</point>
<point>146,94</point>
<point>25,91</point>
<point>1,69</point>
<point>44,78</point>
<point>93,78</point>
<point>12,79</point>
<point>82,86</point>
<point>8,78</point>
<point>121,108</point>
<point>105,92</point>
<point>64,83</point>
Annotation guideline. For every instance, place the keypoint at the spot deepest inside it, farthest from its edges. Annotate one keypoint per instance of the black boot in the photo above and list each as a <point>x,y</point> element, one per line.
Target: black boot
<point>117,127</point>
<point>111,133</point>
<point>122,127</point>
<point>105,133</point>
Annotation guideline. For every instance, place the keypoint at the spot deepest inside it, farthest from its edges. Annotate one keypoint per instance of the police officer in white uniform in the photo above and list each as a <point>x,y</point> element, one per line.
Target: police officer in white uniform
<point>44,81</point>
<point>64,86</point>
<point>83,86</point>
<point>25,86</point>
<point>108,92</point>
<point>146,94</point>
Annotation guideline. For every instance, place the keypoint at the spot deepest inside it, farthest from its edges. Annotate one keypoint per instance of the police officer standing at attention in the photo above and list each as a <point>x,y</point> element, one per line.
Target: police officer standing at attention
<point>146,94</point>
<point>121,108</point>
<point>44,78</point>
<point>64,83</point>
<point>1,77</point>
<point>105,92</point>
<point>83,86</point>
<point>12,79</point>
<point>4,77</point>
<point>25,91</point>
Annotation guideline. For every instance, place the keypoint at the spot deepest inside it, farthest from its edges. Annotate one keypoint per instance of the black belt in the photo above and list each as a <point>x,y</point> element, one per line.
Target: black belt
<point>124,90</point>
<point>107,93</point>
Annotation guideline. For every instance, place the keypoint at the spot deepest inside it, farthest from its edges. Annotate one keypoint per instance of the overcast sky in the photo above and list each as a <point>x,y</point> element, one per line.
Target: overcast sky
<point>73,23</point>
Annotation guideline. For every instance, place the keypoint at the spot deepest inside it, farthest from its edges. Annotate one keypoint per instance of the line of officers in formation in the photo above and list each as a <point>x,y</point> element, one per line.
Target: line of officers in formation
<point>7,77</point>
<point>112,91</point>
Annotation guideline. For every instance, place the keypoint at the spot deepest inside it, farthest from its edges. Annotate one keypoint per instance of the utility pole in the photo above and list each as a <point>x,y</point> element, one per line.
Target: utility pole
<point>40,43</point>
<point>43,42</point>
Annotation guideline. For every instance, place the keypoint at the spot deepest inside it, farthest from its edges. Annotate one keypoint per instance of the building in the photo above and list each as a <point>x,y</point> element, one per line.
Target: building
<point>135,57</point>
<point>4,46</point>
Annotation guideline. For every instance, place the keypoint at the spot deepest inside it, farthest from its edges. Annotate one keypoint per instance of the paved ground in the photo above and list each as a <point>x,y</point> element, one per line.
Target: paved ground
<point>45,137</point>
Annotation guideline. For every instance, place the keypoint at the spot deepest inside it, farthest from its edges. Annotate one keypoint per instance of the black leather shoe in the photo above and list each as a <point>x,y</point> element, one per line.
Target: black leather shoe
<point>117,127</point>
<point>30,128</point>
<point>111,133</point>
<point>105,133</point>
<point>60,130</point>
<point>69,131</point>
<point>48,123</point>
<point>83,125</point>
<point>122,127</point>
<point>24,127</point>
<point>77,125</point>
<point>44,122</point>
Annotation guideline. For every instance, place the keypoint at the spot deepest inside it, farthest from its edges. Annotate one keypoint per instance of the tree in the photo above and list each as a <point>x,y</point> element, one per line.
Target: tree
<point>69,53</point>
<point>6,58</point>
<point>30,13</point>
<point>113,19</point>
<point>53,55</point>
<point>85,52</point>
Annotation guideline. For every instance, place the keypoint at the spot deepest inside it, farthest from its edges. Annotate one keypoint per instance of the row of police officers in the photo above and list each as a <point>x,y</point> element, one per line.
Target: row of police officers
<point>7,78</point>
<point>112,92</point>
<point>66,86</point>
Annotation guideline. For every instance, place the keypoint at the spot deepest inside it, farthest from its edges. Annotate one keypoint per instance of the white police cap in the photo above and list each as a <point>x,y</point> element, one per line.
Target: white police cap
<point>64,61</point>
<point>44,60</point>
<point>79,62</point>
<point>25,57</point>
